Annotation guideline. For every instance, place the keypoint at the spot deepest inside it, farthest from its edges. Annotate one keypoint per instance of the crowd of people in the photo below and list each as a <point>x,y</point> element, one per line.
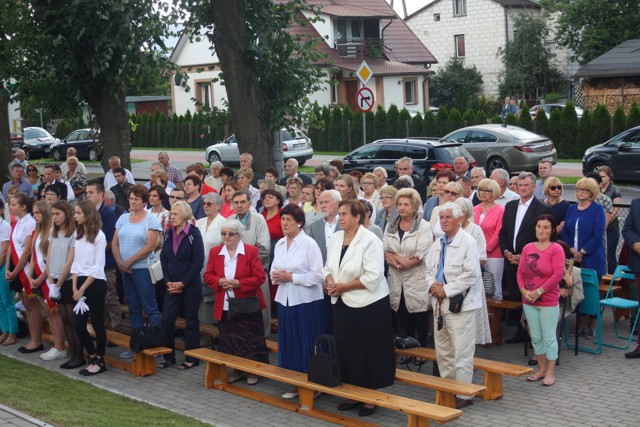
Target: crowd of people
<point>360,256</point>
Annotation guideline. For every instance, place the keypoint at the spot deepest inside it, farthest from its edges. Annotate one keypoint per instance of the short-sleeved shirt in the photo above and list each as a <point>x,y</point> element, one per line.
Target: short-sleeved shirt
<point>133,237</point>
<point>60,247</point>
<point>5,231</point>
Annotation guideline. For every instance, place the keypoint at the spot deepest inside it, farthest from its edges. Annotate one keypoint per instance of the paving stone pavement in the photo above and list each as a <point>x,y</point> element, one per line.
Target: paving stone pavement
<point>591,390</point>
<point>9,417</point>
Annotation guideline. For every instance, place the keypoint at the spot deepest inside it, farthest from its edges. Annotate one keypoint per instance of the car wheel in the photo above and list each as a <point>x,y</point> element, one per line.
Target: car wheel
<point>301,161</point>
<point>496,163</point>
<point>214,157</point>
<point>93,154</point>
<point>595,165</point>
<point>57,155</point>
<point>26,155</point>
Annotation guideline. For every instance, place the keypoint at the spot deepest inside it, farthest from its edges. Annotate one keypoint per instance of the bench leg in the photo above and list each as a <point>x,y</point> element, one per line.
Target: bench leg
<point>417,421</point>
<point>494,325</point>
<point>143,365</point>
<point>306,396</point>
<point>493,383</point>
<point>445,399</point>
<point>215,376</point>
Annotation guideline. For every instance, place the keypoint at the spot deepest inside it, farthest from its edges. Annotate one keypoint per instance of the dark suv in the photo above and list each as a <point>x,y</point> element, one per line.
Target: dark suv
<point>621,153</point>
<point>429,156</point>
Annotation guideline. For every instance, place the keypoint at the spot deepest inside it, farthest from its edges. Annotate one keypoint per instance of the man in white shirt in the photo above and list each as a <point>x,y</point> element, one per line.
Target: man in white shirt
<point>460,167</point>
<point>453,269</point>
<point>256,234</point>
<point>501,176</point>
<point>109,179</point>
<point>72,152</point>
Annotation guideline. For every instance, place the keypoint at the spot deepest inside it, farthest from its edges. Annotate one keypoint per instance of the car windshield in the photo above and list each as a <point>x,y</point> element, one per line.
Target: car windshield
<point>522,134</point>
<point>35,133</point>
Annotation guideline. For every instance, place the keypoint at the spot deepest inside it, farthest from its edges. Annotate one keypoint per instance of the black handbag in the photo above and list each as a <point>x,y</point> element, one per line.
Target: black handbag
<point>324,366</point>
<point>147,337</point>
<point>405,343</point>
<point>489,282</point>
<point>239,307</point>
<point>456,301</point>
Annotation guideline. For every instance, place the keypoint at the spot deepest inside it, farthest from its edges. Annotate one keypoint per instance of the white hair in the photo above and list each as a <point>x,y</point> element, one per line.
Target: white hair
<point>480,170</point>
<point>381,170</point>
<point>214,197</point>
<point>455,209</point>
<point>218,165</point>
<point>234,225</point>
<point>502,174</point>
<point>293,161</point>
<point>405,159</point>
<point>334,194</point>
<point>466,206</point>
<point>248,156</point>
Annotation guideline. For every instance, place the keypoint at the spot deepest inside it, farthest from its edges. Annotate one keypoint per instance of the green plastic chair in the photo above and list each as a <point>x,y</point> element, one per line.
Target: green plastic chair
<point>590,306</point>
<point>621,272</point>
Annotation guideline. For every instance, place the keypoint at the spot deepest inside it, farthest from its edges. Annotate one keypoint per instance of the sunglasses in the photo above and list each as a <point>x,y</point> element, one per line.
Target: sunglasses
<point>448,192</point>
<point>207,204</point>
<point>228,234</point>
<point>555,187</point>
<point>583,190</point>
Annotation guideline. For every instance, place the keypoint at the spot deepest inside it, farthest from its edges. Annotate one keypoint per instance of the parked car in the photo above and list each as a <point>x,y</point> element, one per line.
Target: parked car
<point>36,142</point>
<point>548,108</point>
<point>86,141</point>
<point>429,156</point>
<point>294,145</point>
<point>621,153</point>
<point>504,146</point>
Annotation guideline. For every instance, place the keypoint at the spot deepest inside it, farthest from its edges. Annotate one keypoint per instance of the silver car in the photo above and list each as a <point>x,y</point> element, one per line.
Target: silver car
<point>503,146</point>
<point>294,145</point>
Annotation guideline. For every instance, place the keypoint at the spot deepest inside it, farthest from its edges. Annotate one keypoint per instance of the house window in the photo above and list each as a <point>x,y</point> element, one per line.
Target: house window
<point>459,7</point>
<point>459,40</point>
<point>204,94</point>
<point>356,29</point>
<point>436,17</point>
<point>410,91</point>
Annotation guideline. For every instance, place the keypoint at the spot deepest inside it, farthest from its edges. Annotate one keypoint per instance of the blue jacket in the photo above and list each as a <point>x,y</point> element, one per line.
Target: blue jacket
<point>187,264</point>
<point>590,235</point>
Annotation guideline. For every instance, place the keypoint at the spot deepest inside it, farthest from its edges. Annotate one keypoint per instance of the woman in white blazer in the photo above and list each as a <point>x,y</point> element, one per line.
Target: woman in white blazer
<point>354,276</point>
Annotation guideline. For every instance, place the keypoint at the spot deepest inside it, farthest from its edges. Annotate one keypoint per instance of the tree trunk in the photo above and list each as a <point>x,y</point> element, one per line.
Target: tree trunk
<point>5,134</point>
<point>111,114</point>
<point>249,106</point>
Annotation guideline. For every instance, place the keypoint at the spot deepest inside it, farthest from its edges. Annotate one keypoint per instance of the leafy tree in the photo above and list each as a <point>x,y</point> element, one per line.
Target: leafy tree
<point>541,123</point>
<point>600,125</point>
<point>569,132</point>
<point>481,118</point>
<point>253,42</point>
<point>469,118</point>
<point>415,127</point>
<point>511,119</point>
<point>554,130</point>
<point>524,120</point>
<point>87,51</point>
<point>619,120</point>
<point>528,64</point>
<point>583,138</point>
<point>428,124</point>
<point>454,84</point>
<point>393,115</point>
<point>633,119</point>
<point>497,120</point>
<point>592,27</point>
<point>380,124</point>
<point>454,120</point>
<point>441,122</point>
<point>404,121</point>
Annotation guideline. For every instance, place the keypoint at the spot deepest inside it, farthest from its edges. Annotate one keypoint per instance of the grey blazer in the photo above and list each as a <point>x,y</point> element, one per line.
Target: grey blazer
<point>316,231</point>
<point>381,217</point>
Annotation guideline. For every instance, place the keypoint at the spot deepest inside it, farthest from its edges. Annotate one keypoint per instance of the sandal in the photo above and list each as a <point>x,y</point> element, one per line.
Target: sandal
<point>534,378</point>
<point>167,363</point>
<point>186,365</point>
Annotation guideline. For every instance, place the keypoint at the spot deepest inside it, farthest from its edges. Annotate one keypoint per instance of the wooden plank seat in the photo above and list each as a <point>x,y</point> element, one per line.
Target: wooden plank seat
<point>216,376</point>
<point>493,371</point>
<point>144,362</point>
<point>496,308</point>
<point>446,389</point>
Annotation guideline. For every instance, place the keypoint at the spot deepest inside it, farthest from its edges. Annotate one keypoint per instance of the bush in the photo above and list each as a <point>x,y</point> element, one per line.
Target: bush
<point>404,121</point>
<point>429,124</point>
<point>393,115</point>
<point>554,131</point>
<point>323,143</point>
<point>481,118</point>
<point>619,120</point>
<point>454,120</point>
<point>441,122</point>
<point>583,137</point>
<point>380,124</point>
<point>633,119</point>
<point>511,119</point>
<point>370,117</point>
<point>345,129</point>
<point>415,127</point>
<point>333,139</point>
<point>497,120</point>
<point>356,130</point>
<point>600,125</point>
<point>524,121</point>
<point>541,123</point>
<point>569,131</point>
<point>468,118</point>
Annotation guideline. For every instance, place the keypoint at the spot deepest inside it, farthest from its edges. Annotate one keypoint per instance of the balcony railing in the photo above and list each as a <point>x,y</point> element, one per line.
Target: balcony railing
<point>367,48</point>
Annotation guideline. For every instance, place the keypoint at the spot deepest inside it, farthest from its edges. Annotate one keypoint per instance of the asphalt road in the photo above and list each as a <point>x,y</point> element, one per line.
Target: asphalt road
<point>182,159</point>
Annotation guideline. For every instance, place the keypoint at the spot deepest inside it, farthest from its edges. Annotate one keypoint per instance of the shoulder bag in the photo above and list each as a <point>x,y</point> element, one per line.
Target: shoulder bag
<point>148,336</point>
<point>155,269</point>
<point>324,366</point>
<point>240,307</point>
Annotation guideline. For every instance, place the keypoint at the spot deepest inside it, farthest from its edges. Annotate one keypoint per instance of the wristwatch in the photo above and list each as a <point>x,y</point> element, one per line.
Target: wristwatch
<point>539,291</point>
<point>583,252</point>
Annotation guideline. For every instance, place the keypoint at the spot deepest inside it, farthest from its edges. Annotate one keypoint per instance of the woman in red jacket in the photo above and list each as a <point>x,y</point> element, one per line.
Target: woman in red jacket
<point>234,270</point>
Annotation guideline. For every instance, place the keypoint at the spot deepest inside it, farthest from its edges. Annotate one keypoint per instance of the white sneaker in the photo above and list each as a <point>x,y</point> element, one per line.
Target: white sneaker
<point>54,354</point>
<point>46,353</point>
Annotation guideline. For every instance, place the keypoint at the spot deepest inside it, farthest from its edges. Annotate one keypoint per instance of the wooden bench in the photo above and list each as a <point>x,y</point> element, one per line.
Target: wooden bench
<point>493,371</point>
<point>446,389</point>
<point>216,376</point>
<point>495,308</point>
<point>144,362</point>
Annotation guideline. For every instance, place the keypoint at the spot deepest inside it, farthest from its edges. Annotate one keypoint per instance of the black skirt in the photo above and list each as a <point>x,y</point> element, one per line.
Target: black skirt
<point>364,341</point>
<point>243,337</point>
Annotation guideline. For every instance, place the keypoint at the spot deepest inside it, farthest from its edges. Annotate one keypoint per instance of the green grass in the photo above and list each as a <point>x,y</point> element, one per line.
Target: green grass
<point>59,400</point>
<point>156,149</point>
<point>569,179</point>
<point>570,160</point>
<point>86,162</point>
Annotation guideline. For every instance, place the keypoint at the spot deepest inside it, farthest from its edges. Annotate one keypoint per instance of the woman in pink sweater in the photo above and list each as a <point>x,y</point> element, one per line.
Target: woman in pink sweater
<point>539,273</point>
<point>488,216</point>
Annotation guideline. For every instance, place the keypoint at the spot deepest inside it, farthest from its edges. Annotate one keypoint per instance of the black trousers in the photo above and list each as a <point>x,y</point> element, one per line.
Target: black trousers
<point>413,324</point>
<point>189,301</point>
<point>95,297</point>
<point>510,281</point>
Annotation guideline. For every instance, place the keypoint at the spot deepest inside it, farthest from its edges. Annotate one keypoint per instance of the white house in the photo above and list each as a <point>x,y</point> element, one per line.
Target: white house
<point>352,31</point>
<point>474,30</point>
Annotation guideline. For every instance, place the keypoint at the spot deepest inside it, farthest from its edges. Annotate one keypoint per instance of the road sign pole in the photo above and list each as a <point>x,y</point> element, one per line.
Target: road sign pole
<point>364,128</point>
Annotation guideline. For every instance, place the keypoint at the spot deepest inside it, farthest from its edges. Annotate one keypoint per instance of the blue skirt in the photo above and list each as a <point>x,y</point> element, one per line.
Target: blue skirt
<point>298,327</point>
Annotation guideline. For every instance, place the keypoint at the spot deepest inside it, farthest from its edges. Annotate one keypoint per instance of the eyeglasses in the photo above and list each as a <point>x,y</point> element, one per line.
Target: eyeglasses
<point>483,190</point>
<point>555,187</point>
<point>207,204</point>
<point>386,197</point>
<point>449,192</point>
<point>583,190</point>
<point>367,183</point>
<point>228,234</point>
<point>176,197</point>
